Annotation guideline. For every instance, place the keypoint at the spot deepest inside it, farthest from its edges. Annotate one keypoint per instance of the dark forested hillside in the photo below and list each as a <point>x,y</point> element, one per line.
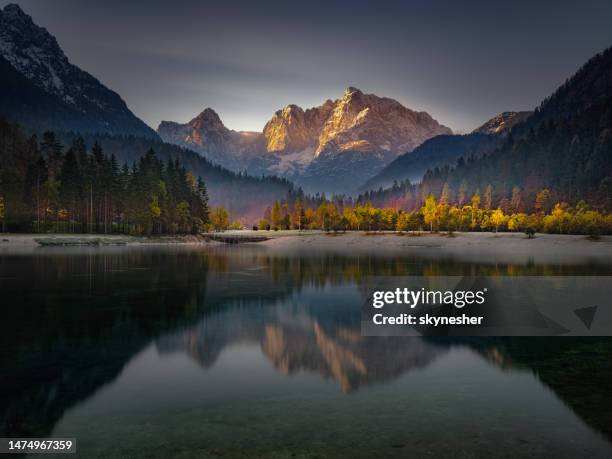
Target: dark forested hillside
<point>242,195</point>
<point>46,187</point>
<point>24,102</point>
<point>564,151</point>
<point>105,183</point>
<point>588,90</point>
<point>572,159</point>
<point>435,152</point>
<point>40,88</point>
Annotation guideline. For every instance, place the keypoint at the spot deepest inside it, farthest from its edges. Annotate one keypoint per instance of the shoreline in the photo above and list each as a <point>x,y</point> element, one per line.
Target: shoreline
<point>21,241</point>
<point>470,246</point>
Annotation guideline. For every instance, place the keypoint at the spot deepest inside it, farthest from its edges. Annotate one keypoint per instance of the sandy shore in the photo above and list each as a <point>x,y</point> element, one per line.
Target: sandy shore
<point>476,247</point>
<point>502,247</point>
<point>26,242</point>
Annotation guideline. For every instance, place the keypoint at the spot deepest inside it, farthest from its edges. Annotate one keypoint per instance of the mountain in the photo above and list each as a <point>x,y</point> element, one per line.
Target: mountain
<point>588,90</point>
<point>436,152</point>
<point>22,100</point>
<point>354,122</point>
<point>207,133</point>
<point>41,89</point>
<point>366,122</point>
<point>333,147</point>
<point>293,129</point>
<point>565,147</point>
<point>503,123</point>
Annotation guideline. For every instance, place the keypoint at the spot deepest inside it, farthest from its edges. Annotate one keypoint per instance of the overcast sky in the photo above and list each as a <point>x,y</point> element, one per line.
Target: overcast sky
<point>461,61</point>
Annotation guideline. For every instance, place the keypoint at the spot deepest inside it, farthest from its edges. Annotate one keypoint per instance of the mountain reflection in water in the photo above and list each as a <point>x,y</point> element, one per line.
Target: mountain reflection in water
<point>73,321</point>
<point>296,344</point>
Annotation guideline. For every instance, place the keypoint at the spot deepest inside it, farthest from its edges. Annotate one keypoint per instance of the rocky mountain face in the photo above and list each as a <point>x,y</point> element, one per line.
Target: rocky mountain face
<point>294,129</point>
<point>502,123</point>
<point>355,122</point>
<point>351,138</point>
<point>365,122</point>
<point>34,64</point>
<point>207,134</point>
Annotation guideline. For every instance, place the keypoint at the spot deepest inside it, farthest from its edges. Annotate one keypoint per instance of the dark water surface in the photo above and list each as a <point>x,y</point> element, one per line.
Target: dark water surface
<point>239,352</point>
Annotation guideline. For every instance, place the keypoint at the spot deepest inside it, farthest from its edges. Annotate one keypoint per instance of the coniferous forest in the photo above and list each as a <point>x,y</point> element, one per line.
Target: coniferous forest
<point>48,187</point>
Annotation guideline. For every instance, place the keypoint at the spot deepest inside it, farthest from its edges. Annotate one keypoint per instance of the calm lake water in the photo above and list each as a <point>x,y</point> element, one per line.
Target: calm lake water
<point>240,352</point>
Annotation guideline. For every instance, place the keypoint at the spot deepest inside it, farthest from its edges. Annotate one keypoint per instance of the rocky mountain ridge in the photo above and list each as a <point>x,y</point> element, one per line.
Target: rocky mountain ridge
<point>79,101</point>
<point>354,122</point>
<point>502,124</point>
<point>363,129</point>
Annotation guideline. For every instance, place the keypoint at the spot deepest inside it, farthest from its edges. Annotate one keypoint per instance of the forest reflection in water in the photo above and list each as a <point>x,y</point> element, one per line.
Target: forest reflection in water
<point>73,321</point>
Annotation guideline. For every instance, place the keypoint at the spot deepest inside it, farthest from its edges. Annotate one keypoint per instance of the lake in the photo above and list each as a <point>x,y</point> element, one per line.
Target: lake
<point>195,351</point>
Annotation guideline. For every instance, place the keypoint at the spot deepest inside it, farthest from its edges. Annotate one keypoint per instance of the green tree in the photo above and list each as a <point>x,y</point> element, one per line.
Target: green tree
<point>202,211</point>
<point>183,216</point>
<point>51,149</point>
<point>454,219</point>
<point>276,215</point>
<point>415,221</point>
<point>2,213</point>
<point>71,190</point>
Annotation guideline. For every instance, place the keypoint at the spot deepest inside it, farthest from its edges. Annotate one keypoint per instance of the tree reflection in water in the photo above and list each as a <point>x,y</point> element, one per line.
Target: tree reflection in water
<point>72,319</point>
